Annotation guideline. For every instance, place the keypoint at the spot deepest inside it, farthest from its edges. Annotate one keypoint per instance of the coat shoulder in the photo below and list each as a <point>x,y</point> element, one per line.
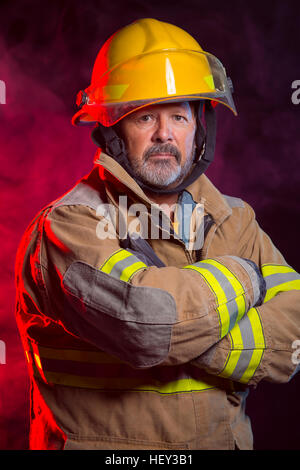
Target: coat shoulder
<point>234,201</point>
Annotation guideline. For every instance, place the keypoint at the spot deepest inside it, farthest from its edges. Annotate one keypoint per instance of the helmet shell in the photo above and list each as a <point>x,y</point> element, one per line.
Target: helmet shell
<point>148,62</point>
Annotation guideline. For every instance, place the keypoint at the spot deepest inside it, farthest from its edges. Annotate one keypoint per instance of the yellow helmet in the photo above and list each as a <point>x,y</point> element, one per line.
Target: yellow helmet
<point>147,62</point>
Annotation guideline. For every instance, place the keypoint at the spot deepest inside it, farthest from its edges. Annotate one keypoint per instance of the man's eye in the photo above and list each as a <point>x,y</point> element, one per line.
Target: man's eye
<point>178,117</point>
<point>145,118</point>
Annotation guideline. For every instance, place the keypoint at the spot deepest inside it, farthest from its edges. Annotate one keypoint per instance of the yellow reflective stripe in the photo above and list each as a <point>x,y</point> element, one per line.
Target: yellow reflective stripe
<point>181,385</point>
<point>234,355</point>
<point>278,279</point>
<point>211,281</point>
<point>130,384</point>
<point>113,259</point>
<point>284,287</point>
<point>122,265</point>
<point>237,286</point>
<point>128,272</point>
<point>247,348</point>
<point>236,337</point>
<point>93,357</point>
<point>224,319</point>
<point>253,365</point>
<point>37,360</point>
<point>268,269</point>
<point>228,292</point>
<point>235,283</point>
<point>55,371</point>
<point>221,300</point>
<point>241,303</point>
<point>27,356</point>
<point>231,363</point>
<point>257,329</point>
<point>34,360</point>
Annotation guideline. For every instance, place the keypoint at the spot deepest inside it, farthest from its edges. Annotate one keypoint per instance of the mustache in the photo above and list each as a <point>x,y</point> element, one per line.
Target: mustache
<point>162,148</point>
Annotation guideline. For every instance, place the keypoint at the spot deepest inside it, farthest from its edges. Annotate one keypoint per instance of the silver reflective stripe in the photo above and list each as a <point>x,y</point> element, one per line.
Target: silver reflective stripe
<point>123,264</point>
<point>253,277</point>
<point>119,267</point>
<point>247,333</point>
<point>248,346</point>
<point>280,278</point>
<point>228,291</point>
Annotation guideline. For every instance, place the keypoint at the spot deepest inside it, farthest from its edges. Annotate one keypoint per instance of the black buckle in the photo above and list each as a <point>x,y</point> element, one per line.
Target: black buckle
<point>81,98</point>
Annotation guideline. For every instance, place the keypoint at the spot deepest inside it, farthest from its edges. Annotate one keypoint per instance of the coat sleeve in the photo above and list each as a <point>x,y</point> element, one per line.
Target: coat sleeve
<point>106,296</point>
<point>261,345</point>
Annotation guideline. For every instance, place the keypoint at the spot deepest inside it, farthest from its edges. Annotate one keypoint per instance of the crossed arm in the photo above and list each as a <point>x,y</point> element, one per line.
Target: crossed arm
<point>208,313</point>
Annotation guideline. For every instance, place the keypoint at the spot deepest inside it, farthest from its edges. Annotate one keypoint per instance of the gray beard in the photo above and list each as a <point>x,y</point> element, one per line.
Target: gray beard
<point>161,173</point>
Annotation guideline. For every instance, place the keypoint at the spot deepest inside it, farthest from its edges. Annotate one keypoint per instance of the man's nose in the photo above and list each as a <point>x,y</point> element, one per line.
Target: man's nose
<point>163,131</point>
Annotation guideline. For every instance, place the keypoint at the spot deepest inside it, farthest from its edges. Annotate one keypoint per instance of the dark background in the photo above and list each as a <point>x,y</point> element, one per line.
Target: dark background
<point>47,50</point>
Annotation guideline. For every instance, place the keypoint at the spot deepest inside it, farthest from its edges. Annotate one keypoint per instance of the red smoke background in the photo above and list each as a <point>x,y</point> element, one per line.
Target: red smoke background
<point>47,50</point>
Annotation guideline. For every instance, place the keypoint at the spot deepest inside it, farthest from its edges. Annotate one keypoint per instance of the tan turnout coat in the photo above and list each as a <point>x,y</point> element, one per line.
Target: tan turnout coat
<point>134,345</point>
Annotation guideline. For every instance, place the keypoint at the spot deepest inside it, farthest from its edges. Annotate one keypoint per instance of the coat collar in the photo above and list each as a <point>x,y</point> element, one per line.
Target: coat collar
<point>202,190</point>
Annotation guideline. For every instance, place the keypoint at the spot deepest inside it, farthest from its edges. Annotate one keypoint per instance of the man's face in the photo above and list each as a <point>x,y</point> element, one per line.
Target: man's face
<point>160,142</point>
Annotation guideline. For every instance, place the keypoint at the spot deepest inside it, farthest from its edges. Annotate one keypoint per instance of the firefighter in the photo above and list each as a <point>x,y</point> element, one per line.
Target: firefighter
<point>148,303</point>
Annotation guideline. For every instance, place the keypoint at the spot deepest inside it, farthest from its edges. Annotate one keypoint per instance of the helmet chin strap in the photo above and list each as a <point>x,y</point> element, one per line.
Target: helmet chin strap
<point>107,139</point>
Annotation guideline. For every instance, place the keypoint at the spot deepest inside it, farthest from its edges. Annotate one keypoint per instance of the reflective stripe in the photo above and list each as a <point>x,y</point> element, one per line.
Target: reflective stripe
<point>76,368</point>
<point>247,348</point>
<point>247,337</point>
<point>27,356</point>
<point>122,265</point>
<point>237,289</point>
<point>227,289</point>
<point>276,279</point>
<point>33,358</point>
<point>138,385</point>
<point>268,269</point>
<point>279,279</point>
